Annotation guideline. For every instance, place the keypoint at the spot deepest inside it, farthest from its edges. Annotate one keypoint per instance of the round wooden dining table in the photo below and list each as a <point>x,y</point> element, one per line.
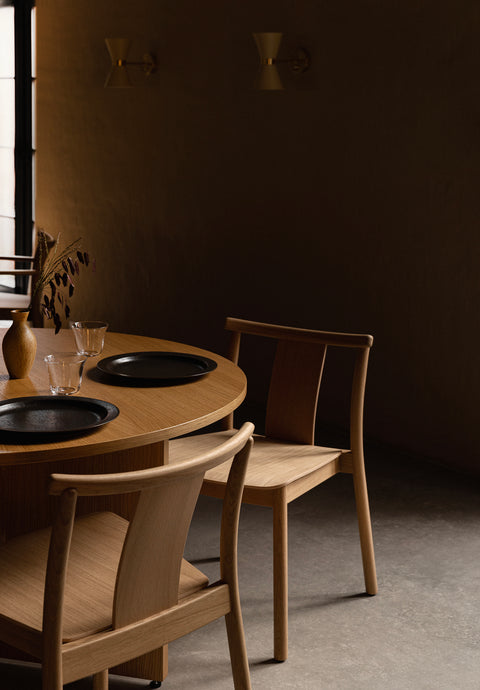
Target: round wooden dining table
<point>149,415</point>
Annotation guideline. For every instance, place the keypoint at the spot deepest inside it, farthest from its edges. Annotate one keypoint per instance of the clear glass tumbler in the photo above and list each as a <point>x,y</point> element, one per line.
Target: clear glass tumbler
<point>89,336</point>
<point>65,371</point>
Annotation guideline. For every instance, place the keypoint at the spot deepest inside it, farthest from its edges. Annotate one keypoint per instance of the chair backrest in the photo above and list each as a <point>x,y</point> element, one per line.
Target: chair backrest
<point>153,549</point>
<point>296,377</point>
<point>44,244</point>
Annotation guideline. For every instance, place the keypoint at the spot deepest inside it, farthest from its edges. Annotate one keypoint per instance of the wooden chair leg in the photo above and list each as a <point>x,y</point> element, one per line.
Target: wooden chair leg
<point>365,526</point>
<point>51,680</point>
<point>52,669</point>
<point>236,644</point>
<point>100,680</point>
<point>280,577</point>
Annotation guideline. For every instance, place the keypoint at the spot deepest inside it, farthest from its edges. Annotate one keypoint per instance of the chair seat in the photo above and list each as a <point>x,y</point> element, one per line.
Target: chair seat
<point>273,464</point>
<point>95,552</point>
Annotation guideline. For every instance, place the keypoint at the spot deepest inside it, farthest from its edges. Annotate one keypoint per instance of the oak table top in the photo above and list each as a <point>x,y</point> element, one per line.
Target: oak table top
<point>148,415</point>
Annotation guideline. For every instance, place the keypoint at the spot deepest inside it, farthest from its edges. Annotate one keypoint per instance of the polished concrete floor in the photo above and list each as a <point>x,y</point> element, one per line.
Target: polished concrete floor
<point>421,632</point>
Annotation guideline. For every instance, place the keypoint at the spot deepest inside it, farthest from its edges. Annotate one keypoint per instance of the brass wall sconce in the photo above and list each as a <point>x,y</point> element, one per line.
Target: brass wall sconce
<point>268,44</point>
<point>118,76</point>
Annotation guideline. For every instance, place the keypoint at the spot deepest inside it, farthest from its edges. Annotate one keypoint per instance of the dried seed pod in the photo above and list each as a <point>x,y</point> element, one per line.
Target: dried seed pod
<point>65,267</point>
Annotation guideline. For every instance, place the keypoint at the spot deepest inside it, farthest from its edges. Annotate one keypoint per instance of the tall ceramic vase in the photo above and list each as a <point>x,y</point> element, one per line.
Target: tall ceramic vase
<point>19,345</point>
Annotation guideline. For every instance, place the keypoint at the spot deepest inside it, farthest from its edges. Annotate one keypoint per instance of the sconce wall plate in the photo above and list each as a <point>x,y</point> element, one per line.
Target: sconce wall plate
<point>149,64</point>
<point>300,62</point>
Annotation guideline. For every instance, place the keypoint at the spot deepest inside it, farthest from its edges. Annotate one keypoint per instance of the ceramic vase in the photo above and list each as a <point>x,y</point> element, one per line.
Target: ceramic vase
<point>19,345</point>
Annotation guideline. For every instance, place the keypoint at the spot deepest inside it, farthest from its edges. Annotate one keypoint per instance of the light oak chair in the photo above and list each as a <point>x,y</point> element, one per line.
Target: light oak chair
<point>96,591</point>
<point>285,463</point>
<point>11,300</point>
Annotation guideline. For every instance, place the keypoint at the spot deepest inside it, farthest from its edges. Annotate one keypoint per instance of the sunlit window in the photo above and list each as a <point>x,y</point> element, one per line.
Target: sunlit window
<point>17,31</point>
<point>7,135</point>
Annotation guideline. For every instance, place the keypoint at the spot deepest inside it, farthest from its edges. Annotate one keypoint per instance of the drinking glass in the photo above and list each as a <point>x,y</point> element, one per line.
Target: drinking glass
<point>89,336</point>
<point>65,370</point>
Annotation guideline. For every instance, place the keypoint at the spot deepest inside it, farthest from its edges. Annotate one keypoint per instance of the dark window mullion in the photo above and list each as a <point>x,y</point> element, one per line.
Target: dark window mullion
<point>23,133</point>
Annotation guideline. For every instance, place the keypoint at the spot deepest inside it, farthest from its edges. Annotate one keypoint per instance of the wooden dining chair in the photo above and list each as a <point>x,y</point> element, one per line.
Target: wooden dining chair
<point>12,300</point>
<point>96,591</point>
<point>285,462</point>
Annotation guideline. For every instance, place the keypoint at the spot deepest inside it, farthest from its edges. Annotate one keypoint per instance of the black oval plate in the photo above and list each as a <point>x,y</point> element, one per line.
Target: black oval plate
<point>156,367</point>
<point>50,414</point>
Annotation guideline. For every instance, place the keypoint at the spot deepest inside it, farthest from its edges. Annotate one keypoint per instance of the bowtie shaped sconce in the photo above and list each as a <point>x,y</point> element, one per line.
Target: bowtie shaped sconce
<point>268,44</point>
<point>118,76</point>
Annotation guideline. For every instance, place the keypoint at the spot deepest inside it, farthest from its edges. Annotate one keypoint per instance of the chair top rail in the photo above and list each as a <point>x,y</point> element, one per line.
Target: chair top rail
<point>127,482</point>
<point>17,258</point>
<point>357,340</point>
<point>18,272</point>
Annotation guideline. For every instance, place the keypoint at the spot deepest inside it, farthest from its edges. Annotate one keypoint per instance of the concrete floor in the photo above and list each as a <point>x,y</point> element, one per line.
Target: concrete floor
<point>421,632</point>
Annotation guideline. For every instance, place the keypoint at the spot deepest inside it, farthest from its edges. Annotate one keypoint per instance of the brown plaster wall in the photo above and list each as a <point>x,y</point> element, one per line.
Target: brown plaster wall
<point>347,202</point>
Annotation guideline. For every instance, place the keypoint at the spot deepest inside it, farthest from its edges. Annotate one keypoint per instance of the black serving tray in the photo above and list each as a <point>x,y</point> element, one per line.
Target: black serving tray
<point>157,368</point>
<point>50,414</point>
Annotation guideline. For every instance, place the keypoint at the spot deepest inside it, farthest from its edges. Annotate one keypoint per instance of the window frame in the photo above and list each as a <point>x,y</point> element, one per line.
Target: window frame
<point>23,146</point>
